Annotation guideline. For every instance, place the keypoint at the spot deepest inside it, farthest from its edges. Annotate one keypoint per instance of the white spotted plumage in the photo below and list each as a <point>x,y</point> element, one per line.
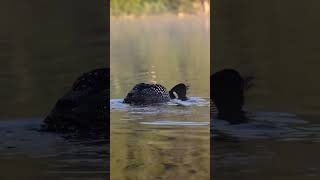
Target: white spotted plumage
<point>150,93</point>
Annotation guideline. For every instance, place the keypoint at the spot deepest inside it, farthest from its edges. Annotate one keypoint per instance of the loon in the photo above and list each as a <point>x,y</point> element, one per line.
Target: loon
<point>143,93</point>
<point>84,106</point>
<point>227,89</point>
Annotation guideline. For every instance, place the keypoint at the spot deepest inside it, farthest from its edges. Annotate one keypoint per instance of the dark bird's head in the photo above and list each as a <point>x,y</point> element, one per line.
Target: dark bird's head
<point>227,88</point>
<point>179,91</point>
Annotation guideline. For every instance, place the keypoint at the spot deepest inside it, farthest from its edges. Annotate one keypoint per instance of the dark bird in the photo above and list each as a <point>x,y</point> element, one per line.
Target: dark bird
<point>155,93</point>
<point>227,92</point>
<point>84,107</point>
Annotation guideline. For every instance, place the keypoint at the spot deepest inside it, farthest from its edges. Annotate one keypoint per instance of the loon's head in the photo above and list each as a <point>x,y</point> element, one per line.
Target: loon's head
<point>179,91</point>
<point>227,88</point>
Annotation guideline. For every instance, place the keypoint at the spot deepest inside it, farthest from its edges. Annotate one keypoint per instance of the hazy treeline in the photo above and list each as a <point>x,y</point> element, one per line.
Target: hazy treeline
<point>149,7</point>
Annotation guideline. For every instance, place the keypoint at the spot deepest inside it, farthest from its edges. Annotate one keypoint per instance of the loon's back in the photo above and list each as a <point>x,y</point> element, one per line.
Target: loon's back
<point>154,93</point>
<point>147,93</point>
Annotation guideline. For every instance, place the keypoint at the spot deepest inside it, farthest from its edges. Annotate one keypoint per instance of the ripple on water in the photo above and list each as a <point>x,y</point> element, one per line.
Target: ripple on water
<point>177,108</point>
<point>117,104</point>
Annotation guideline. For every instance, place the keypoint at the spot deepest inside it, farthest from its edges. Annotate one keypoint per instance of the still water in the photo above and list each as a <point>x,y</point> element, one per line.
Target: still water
<point>44,47</point>
<point>168,141</point>
<point>264,40</point>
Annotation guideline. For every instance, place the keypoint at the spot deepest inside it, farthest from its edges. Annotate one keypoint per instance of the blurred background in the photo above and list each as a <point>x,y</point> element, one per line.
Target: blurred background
<point>158,7</point>
<point>44,47</point>
<point>277,42</point>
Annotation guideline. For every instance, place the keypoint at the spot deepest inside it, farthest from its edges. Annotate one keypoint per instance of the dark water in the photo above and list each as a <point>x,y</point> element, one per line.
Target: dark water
<point>44,47</point>
<point>168,141</point>
<point>278,44</point>
<point>27,153</point>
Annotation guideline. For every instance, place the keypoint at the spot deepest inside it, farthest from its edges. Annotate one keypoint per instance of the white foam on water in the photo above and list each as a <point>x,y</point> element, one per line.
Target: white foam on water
<point>117,104</point>
<point>192,101</point>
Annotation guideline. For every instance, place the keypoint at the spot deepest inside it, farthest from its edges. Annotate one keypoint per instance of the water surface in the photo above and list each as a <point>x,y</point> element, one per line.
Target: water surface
<point>42,155</point>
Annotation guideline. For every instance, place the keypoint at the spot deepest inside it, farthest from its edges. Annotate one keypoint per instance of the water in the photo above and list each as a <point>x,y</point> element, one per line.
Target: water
<point>43,155</point>
<point>282,140</point>
<point>44,47</point>
<point>272,144</point>
<point>171,140</point>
